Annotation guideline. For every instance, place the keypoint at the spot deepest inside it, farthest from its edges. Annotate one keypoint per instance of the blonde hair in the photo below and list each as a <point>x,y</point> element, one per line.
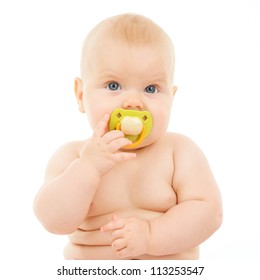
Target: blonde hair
<point>132,29</point>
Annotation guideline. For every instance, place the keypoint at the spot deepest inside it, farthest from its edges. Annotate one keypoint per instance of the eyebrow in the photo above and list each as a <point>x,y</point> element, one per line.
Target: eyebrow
<point>108,73</point>
<point>159,78</point>
<point>156,78</point>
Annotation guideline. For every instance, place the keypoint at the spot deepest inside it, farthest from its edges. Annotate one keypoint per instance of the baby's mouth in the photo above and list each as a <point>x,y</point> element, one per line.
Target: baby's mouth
<point>136,125</point>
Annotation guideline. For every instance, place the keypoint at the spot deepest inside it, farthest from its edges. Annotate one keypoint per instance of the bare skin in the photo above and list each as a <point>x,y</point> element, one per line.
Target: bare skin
<point>133,193</point>
<point>157,201</point>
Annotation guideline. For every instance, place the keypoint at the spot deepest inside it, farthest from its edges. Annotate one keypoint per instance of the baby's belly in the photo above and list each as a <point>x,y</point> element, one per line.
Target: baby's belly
<point>89,243</point>
<point>80,252</point>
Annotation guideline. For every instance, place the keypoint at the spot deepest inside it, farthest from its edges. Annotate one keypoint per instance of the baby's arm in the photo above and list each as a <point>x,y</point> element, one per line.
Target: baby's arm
<point>197,215</point>
<point>72,179</point>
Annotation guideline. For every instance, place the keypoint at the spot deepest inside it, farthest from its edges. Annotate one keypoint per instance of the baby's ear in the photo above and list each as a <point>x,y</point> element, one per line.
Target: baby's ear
<point>78,90</point>
<point>174,89</point>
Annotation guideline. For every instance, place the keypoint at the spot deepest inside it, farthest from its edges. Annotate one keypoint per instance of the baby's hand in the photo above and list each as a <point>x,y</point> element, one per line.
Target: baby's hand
<point>130,237</point>
<point>102,150</point>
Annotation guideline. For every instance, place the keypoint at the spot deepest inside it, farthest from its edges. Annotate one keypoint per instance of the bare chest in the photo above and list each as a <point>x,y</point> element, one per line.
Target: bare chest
<point>142,183</point>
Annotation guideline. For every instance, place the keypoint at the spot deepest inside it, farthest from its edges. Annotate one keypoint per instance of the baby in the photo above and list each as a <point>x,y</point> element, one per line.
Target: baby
<point>132,190</point>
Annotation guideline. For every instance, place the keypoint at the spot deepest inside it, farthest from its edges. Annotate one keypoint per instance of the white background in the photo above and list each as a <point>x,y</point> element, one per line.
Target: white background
<point>217,46</point>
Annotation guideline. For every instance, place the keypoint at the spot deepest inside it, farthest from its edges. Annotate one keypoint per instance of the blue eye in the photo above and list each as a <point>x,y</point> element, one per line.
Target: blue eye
<point>113,86</point>
<point>151,89</point>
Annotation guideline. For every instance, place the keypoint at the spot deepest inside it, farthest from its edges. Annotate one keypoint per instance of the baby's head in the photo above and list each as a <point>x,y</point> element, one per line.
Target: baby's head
<point>127,62</point>
<point>131,29</point>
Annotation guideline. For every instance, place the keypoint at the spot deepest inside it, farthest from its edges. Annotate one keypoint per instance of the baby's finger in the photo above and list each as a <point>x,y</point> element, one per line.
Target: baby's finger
<point>113,225</point>
<point>118,144</point>
<point>100,129</point>
<point>123,156</point>
<point>119,244</point>
<point>123,253</point>
<point>113,135</point>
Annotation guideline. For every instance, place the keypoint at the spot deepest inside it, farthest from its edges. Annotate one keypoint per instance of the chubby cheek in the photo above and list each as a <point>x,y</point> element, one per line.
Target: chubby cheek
<point>94,116</point>
<point>158,129</point>
<point>93,111</point>
<point>160,122</point>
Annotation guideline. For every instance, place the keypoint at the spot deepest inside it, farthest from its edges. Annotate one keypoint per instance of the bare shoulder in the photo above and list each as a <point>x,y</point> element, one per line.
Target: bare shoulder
<point>61,158</point>
<point>185,151</point>
<point>180,144</point>
<point>192,173</point>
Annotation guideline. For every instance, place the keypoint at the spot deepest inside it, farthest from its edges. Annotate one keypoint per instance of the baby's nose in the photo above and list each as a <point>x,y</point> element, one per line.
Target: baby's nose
<point>133,102</point>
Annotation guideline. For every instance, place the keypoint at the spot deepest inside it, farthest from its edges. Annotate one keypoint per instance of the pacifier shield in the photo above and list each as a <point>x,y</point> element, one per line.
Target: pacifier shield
<point>136,125</point>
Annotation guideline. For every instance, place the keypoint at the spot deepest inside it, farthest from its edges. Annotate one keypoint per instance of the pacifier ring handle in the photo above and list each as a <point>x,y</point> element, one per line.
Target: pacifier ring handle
<point>138,142</point>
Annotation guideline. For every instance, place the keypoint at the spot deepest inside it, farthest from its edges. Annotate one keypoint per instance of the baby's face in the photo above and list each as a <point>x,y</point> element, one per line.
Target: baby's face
<point>129,77</point>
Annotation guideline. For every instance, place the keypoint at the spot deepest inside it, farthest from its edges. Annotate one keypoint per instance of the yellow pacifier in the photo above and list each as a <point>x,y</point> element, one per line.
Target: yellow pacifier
<point>136,125</point>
